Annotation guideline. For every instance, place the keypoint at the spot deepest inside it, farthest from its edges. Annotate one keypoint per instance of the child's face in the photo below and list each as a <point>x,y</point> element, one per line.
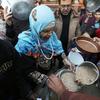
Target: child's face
<point>89,14</point>
<point>97,15</point>
<point>46,34</point>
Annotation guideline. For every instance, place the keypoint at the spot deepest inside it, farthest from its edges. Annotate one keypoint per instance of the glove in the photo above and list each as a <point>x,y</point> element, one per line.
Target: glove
<point>40,79</point>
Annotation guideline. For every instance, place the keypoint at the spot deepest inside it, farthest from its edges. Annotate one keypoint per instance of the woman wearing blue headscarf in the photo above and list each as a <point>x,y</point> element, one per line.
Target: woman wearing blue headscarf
<point>40,41</point>
<point>37,46</point>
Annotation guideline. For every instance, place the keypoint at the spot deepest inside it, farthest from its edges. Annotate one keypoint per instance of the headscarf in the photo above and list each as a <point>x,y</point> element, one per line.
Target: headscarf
<point>29,42</point>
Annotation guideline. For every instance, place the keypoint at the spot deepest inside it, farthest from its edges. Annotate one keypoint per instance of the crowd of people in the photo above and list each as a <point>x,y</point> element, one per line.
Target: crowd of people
<point>27,56</point>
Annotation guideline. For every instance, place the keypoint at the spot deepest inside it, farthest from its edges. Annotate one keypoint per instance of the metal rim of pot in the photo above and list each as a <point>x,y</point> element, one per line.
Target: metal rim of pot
<point>92,64</point>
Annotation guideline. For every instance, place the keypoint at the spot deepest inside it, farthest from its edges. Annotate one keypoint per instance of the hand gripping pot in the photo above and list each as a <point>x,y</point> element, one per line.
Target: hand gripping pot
<point>87,73</point>
<point>19,8</point>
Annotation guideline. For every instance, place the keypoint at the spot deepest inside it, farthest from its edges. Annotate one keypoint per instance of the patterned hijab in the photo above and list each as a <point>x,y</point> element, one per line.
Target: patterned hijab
<point>41,17</point>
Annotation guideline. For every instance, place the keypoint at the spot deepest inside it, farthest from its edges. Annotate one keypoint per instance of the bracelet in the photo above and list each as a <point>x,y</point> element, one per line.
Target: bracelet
<point>63,55</point>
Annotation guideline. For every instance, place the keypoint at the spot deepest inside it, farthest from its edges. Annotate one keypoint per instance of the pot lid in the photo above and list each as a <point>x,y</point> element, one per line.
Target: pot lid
<point>92,5</point>
<point>75,58</point>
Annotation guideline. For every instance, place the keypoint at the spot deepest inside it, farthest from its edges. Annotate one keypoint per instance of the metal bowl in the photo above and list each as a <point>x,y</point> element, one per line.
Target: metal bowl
<point>87,45</point>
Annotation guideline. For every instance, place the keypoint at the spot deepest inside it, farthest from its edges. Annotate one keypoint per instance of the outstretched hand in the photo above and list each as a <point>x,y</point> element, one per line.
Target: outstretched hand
<point>56,85</point>
<point>7,16</point>
<point>97,40</point>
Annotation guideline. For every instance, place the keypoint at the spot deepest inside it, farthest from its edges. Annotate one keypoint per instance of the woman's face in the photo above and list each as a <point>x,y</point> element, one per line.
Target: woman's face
<point>46,33</point>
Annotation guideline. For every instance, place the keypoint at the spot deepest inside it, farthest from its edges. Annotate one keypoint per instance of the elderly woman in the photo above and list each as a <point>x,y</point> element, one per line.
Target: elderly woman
<point>40,41</point>
<point>39,44</point>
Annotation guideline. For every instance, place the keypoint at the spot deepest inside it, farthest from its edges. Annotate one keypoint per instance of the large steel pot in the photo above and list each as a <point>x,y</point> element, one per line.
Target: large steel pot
<point>87,73</point>
<point>93,5</point>
<point>68,79</point>
<point>19,8</point>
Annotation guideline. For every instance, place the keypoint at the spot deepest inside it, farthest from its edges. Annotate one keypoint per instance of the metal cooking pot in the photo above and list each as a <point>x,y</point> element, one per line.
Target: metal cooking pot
<point>87,73</point>
<point>68,79</point>
<point>20,8</point>
<point>92,5</point>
